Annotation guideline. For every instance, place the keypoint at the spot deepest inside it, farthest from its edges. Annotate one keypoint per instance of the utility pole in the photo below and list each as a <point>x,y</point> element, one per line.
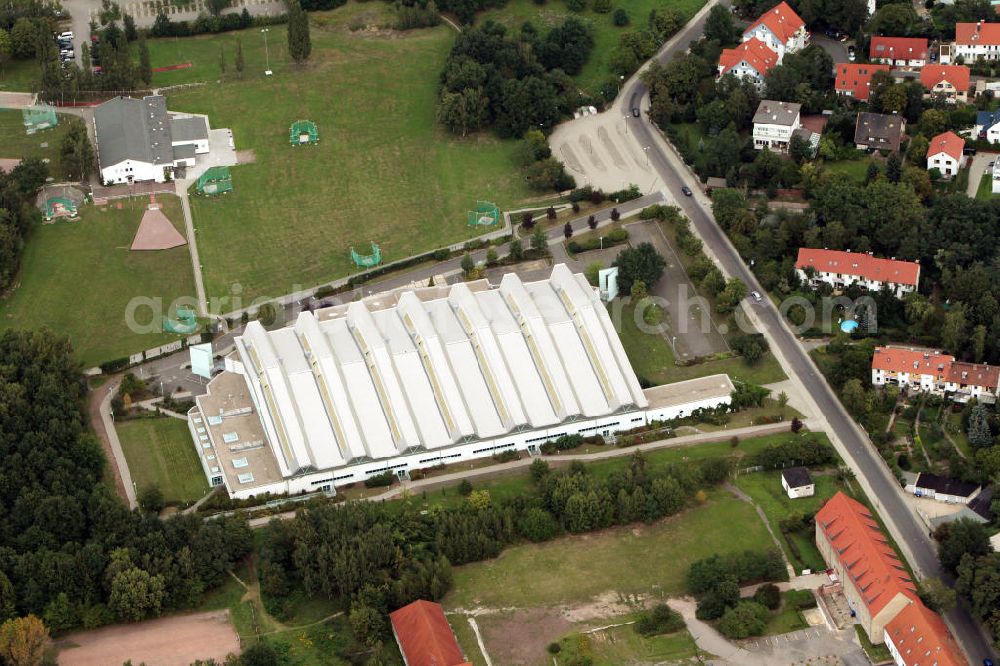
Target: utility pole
<point>267,55</point>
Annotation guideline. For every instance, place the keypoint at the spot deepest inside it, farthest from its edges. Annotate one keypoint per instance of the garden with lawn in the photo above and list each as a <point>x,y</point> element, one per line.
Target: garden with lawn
<point>383,170</point>
<point>78,277</point>
<point>160,453</point>
<point>16,143</point>
<point>19,75</point>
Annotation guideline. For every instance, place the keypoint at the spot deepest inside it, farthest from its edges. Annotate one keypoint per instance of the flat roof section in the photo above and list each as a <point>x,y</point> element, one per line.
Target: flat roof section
<point>228,393</point>
<point>692,390</point>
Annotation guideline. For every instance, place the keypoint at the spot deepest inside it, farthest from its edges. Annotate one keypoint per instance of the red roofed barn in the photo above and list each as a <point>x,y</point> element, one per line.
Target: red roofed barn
<point>948,81</point>
<point>918,635</point>
<point>899,51</point>
<point>842,269</point>
<point>425,637</point>
<point>945,154</point>
<point>855,79</point>
<point>781,29</point>
<point>751,59</point>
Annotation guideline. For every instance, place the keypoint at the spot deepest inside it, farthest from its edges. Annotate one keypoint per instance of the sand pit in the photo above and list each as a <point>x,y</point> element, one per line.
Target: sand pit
<point>170,641</point>
<point>156,232</point>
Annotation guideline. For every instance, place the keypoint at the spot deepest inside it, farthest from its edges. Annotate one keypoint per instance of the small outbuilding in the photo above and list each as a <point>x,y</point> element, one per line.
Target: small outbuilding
<point>942,488</point>
<point>424,636</point>
<point>797,482</point>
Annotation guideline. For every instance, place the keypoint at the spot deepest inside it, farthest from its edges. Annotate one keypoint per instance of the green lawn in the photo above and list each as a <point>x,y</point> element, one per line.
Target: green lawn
<point>637,559</point>
<point>652,359</point>
<point>19,75</point>
<point>788,618</point>
<point>159,452</point>
<point>383,171</point>
<point>597,71</point>
<point>766,491</point>
<point>16,143</point>
<point>856,168</point>
<point>77,279</point>
<point>985,189</point>
<point>622,645</point>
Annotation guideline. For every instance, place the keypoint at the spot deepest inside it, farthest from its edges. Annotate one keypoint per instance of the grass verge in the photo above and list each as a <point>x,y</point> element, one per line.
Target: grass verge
<point>159,452</point>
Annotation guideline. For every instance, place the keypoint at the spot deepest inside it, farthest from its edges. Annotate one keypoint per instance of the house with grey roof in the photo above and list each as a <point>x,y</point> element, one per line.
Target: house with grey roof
<point>879,131</point>
<point>774,123</point>
<point>139,140</point>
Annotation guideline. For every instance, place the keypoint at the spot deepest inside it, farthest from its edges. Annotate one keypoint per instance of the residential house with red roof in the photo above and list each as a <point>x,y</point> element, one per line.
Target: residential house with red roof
<point>976,40</point>
<point>898,51</point>
<point>751,59</point>
<point>855,79</point>
<point>874,581</point>
<point>920,370</point>
<point>425,637</point>
<point>950,82</point>
<point>842,269</point>
<point>917,636</point>
<point>944,153</point>
<point>973,380</point>
<point>781,29</point>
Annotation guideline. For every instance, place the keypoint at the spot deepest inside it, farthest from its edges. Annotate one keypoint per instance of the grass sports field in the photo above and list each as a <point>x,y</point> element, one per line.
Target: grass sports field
<point>597,71</point>
<point>16,143</point>
<point>19,75</point>
<point>159,452</point>
<point>78,277</point>
<point>382,171</point>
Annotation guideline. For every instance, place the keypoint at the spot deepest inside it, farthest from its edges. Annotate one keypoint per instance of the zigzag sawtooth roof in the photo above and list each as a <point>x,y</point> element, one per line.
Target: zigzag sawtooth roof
<point>436,366</point>
<point>864,552</point>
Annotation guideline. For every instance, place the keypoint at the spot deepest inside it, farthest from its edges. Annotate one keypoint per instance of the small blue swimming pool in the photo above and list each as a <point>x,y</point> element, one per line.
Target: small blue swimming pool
<point>848,325</point>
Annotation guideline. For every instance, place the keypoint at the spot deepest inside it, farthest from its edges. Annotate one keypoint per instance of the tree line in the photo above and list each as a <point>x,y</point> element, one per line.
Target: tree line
<point>71,553</point>
<point>18,214</point>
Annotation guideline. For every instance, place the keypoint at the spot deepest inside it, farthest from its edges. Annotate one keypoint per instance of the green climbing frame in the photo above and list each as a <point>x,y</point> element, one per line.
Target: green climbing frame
<point>303,132</point>
<point>367,260</point>
<point>486,213</point>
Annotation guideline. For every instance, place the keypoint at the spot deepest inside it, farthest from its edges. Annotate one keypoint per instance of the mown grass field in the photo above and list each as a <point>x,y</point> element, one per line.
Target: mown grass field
<point>78,277</point>
<point>159,452</point>
<point>622,645</point>
<point>637,559</point>
<point>383,171</point>
<point>544,16</point>
<point>16,143</point>
<point>984,190</point>
<point>19,75</point>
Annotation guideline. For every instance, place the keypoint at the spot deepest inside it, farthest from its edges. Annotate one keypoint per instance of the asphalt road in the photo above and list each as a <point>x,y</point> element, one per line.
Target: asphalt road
<point>855,446</point>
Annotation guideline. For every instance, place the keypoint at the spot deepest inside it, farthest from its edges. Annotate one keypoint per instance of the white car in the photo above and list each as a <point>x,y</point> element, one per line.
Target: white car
<point>66,35</point>
<point>756,296</point>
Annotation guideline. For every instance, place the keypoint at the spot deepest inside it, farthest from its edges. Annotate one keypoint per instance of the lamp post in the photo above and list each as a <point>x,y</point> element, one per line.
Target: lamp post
<point>267,55</point>
<point>625,117</point>
<point>646,150</point>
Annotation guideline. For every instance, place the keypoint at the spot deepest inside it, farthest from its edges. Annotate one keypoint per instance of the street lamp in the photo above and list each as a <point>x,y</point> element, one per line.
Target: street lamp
<point>267,55</point>
<point>646,150</point>
<point>621,80</point>
<point>626,123</point>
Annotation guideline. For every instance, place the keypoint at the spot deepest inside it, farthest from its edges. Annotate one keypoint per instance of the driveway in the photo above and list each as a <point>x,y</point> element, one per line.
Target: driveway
<point>689,318</point>
<point>836,49</point>
<point>977,169</point>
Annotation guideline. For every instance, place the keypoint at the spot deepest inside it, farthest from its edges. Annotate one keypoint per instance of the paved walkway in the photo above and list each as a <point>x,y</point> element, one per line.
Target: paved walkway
<point>192,243</point>
<point>103,422</point>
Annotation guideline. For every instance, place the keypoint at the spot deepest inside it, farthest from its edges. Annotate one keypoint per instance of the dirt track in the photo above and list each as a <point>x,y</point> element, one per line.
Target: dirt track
<point>171,641</point>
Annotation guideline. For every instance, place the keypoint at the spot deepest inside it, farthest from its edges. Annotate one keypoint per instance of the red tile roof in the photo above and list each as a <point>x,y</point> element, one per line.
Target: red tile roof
<point>780,20</point>
<point>957,75</point>
<point>948,143</point>
<point>897,359</point>
<point>754,52</point>
<point>864,552</point>
<point>971,34</point>
<point>855,78</point>
<point>974,374</point>
<point>425,637</point>
<point>921,637</point>
<point>898,48</point>
<point>859,264</point>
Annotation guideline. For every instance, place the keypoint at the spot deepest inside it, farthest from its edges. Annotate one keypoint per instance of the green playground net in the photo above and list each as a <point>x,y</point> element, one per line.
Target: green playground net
<point>59,207</point>
<point>186,322</point>
<point>217,180</point>
<point>303,132</point>
<point>485,213</point>
<point>37,118</point>
<point>369,260</point>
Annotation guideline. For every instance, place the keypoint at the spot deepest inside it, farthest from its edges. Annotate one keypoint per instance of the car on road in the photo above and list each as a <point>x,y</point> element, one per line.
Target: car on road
<point>756,296</point>
<point>686,190</point>
<point>66,35</point>
<point>850,53</point>
<point>635,112</point>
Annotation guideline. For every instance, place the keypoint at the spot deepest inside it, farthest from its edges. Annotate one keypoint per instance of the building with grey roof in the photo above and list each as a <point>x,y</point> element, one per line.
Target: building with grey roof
<point>138,139</point>
<point>879,131</point>
<point>774,123</point>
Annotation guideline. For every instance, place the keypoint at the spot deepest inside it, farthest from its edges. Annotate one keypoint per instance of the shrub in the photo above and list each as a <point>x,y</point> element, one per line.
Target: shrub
<point>380,480</point>
<point>768,595</point>
<point>465,488</point>
<point>507,456</point>
<point>745,619</point>
<point>554,648</point>
<point>620,18</point>
<point>661,619</point>
<point>151,499</point>
<point>537,525</point>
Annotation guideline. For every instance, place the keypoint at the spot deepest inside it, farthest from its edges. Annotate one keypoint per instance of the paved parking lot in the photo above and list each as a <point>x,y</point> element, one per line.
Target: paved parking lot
<point>815,645</point>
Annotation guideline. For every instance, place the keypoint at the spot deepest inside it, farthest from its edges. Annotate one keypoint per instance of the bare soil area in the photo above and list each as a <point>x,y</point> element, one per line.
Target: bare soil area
<point>534,628</point>
<point>170,641</point>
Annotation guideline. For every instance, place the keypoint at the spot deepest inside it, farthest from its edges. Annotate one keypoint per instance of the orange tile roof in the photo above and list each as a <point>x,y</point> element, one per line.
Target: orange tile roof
<point>754,52</point>
<point>898,48</point>
<point>974,374</point>
<point>855,78</point>
<point>859,264</point>
<point>425,637</point>
<point>864,552</point>
<point>781,20</point>
<point>921,637</point>
<point>971,34</point>
<point>948,143</point>
<point>957,75</point>
<point>897,359</point>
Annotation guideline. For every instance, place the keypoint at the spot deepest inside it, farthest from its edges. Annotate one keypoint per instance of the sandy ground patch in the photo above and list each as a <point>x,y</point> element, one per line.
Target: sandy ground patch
<point>534,628</point>
<point>170,641</point>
